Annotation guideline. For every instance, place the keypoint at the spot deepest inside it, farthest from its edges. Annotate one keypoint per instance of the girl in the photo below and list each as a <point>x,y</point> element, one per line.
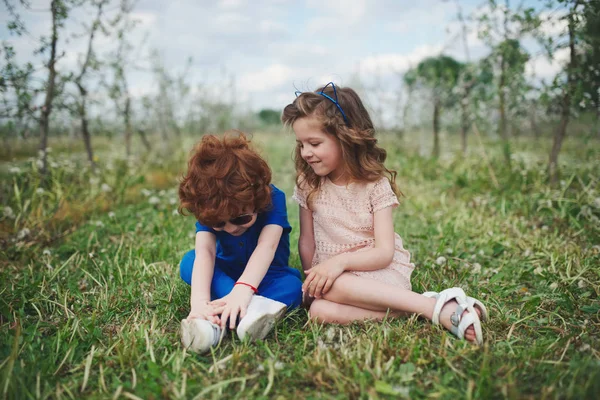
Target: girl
<point>242,244</point>
<point>356,267</point>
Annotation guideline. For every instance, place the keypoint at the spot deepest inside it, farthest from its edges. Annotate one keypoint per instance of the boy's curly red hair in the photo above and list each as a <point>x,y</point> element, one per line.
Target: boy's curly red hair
<point>225,179</point>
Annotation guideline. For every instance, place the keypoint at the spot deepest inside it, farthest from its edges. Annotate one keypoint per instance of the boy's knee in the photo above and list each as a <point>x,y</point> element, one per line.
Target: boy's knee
<point>186,266</point>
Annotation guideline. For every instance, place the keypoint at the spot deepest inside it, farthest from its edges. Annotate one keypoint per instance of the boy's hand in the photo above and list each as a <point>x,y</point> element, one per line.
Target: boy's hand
<point>236,303</point>
<point>208,310</point>
<point>320,278</point>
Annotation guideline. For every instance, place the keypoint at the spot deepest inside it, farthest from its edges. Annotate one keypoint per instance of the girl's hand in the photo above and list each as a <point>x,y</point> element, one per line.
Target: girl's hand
<point>320,278</point>
<point>236,303</point>
<point>208,310</point>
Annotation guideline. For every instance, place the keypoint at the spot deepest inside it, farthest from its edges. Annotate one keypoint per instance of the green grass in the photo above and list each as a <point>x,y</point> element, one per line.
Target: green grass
<point>91,299</point>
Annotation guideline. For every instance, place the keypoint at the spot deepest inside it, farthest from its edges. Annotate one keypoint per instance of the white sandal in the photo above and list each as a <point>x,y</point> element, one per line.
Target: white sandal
<point>459,322</point>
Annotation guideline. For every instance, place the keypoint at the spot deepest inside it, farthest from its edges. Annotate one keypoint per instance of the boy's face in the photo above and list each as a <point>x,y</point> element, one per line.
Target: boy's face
<point>233,228</point>
<point>320,150</point>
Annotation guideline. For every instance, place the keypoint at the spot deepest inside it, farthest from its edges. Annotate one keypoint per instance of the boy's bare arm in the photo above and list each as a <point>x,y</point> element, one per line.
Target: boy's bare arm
<point>263,255</point>
<point>204,265</point>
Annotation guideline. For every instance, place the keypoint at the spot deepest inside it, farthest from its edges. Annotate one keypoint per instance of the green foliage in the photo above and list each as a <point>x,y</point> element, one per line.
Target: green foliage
<point>440,74</point>
<point>91,296</point>
<point>269,117</point>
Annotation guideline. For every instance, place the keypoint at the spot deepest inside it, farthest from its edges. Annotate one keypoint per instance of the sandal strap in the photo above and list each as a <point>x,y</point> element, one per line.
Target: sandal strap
<point>445,296</point>
<point>475,303</point>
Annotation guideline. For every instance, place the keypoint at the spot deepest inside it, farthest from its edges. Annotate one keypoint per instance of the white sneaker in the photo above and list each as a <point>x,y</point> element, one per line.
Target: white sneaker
<point>260,318</point>
<point>199,335</point>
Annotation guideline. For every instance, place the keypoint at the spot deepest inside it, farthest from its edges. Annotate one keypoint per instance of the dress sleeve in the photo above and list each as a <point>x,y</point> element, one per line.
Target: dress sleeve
<point>277,214</point>
<point>300,196</point>
<point>382,195</point>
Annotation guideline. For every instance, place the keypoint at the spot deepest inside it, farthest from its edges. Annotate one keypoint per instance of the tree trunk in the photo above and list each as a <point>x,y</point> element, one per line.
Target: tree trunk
<point>127,120</point>
<point>532,119</point>
<point>502,89</point>
<point>464,126</point>
<point>145,141</point>
<point>559,134</point>
<point>502,109</point>
<point>84,126</point>
<point>436,128</point>
<point>598,120</point>
<point>47,107</point>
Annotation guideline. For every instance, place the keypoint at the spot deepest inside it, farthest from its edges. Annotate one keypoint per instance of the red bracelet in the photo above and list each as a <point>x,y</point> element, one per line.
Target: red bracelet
<point>247,284</point>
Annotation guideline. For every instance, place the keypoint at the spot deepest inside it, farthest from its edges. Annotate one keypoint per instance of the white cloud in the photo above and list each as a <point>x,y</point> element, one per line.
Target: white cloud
<point>268,78</point>
<point>546,69</point>
<point>397,62</point>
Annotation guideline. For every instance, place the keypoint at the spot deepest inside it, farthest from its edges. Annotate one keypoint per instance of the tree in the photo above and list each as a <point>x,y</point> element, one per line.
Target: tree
<point>59,12</point>
<point>439,75</point>
<point>118,89</point>
<point>569,86</point>
<point>18,93</point>
<point>88,62</point>
<point>590,63</point>
<point>502,30</point>
<point>269,117</point>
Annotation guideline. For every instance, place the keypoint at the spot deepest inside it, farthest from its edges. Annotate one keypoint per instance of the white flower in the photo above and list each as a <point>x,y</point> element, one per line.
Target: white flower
<point>23,233</point>
<point>449,251</point>
<point>39,191</point>
<point>441,260</point>
<point>553,285</point>
<point>53,164</point>
<point>153,200</point>
<point>8,212</point>
<point>15,170</point>
<point>146,192</point>
<point>94,181</point>
<point>111,214</point>
<point>175,212</point>
<point>172,201</point>
<point>596,202</point>
<point>105,188</point>
<point>98,223</point>
<point>544,227</point>
<point>39,163</point>
<point>47,252</point>
<point>527,253</point>
<point>476,268</point>
<point>538,270</point>
<point>582,284</point>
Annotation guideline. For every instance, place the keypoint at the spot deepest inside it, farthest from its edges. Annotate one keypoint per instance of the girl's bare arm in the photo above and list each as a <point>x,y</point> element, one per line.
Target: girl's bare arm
<point>381,255</point>
<point>306,241</point>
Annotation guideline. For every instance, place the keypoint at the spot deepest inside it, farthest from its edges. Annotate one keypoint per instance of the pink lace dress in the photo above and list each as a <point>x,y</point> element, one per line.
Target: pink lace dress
<point>343,222</point>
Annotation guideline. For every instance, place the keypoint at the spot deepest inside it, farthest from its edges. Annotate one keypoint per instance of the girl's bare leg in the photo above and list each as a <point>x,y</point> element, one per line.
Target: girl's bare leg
<point>329,312</point>
<point>370,294</point>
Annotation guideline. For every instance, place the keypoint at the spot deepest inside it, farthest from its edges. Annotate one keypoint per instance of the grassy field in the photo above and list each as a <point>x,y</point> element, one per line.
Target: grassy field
<point>91,299</point>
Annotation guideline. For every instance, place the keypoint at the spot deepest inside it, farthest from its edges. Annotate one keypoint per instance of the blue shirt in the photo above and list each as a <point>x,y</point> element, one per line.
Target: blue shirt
<point>233,252</point>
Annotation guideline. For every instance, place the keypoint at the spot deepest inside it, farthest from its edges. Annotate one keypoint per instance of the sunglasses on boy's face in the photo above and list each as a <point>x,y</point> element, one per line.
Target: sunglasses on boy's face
<point>239,220</point>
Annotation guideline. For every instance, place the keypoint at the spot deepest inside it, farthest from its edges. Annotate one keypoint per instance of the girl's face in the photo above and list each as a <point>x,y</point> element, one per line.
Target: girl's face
<point>322,151</point>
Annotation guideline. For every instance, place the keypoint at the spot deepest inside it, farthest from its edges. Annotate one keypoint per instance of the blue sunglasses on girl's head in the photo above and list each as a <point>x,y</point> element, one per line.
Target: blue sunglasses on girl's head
<point>334,101</point>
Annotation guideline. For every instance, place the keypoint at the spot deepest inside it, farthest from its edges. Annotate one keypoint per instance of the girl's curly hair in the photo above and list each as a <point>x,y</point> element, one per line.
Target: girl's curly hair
<point>225,178</point>
<point>364,159</point>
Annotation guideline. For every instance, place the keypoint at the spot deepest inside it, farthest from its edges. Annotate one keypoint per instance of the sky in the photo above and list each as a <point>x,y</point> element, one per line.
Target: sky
<point>270,48</point>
